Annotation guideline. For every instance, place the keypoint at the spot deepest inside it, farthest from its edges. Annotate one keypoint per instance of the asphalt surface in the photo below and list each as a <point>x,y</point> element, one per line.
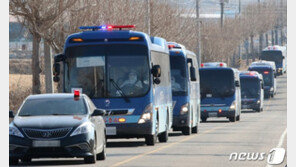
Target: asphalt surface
<point>212,146</point>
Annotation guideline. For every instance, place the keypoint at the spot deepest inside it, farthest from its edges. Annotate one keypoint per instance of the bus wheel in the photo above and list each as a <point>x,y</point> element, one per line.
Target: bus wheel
<point>195,129</point>
<point>232,119</point>
<point>163,137</point>
<point>203,119</point>
<point>238,117</point>
<point>186,131</point>
<point>150,140</point>
<point>271,95</point>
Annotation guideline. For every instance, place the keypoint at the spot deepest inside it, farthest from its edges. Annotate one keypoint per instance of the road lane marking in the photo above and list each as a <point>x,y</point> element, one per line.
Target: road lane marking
<point>166,146</point>
<point>177,142</point>
<point>280,144</point>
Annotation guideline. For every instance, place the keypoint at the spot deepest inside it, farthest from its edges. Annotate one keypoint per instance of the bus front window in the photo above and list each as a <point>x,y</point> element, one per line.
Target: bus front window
<point>250,88</point>
<point>216,83</point>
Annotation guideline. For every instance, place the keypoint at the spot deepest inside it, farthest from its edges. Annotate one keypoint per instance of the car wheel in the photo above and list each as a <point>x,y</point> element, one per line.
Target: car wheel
<point>203,119</point>
<point>163,137</point>
<point>195,129</point>
<point>102,155</point>
<point>150,140</point>
<point>13,161</point>
<point>186,131</point>
<point>232,119</point>
<point>92,159</point>
<point>26,159</point>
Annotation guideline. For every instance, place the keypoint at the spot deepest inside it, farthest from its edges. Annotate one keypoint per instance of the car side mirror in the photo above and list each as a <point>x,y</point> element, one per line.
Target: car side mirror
<point>156,71</point>
<point>98,112</point>
<point>236,83</point>
<point>192,74</point>
<point>11,115</point>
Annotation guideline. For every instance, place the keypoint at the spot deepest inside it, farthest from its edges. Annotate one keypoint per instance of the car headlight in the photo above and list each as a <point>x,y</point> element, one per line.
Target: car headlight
<point>233,106</point>
<point>184,109</point>
<point>147,114</point>
<point>13,131</point>
<point>82,129</point>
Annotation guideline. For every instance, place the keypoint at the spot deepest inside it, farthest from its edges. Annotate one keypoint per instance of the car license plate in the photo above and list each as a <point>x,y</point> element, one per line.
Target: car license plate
<point>110,130</point>
<point>46,143</point>
<point>245,106</point>
<point>213,114</point>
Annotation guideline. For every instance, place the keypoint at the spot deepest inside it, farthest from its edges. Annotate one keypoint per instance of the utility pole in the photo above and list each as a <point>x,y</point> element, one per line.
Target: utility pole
<point>48,68</point>
<point>198,32</point>
<point>222,12</point>
<point>148,17</point>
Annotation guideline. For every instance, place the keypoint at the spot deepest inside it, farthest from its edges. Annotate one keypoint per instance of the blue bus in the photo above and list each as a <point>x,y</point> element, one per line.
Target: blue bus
<point>277,54</point>
<point>185,89</point>
<point>269,79</point>
<point>125,72</point>
<point>220,93</point>
<point>252,90</point>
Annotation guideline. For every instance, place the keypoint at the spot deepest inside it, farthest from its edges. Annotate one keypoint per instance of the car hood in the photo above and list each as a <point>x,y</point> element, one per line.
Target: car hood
<point>44,122</point>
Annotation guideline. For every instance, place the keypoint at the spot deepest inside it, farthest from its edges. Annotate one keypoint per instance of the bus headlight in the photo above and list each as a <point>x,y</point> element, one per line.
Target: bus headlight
<point>184,109</point>
<point>147,114</point>
<point>271,89</point>
<point>258,101</point>
<point>233,106</point>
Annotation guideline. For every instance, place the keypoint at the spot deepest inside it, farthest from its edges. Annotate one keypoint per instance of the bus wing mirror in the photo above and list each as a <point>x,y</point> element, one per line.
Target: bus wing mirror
<point>192,74</point>
<point>236,83</point>
<point>59,58</point>
<point>156,71</point>
<point>11,115</point>
<point>56,72</point>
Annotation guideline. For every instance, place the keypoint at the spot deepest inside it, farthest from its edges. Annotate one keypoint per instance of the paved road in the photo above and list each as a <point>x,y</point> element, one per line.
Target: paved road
<point>256,132</point>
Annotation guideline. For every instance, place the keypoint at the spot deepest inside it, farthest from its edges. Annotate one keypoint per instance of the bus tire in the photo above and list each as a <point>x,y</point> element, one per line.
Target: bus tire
<point>195,129</point>
<point>232,119</point>
<point>150,140</point>
<point>271,95</point>
<point>203,119</point>
<point>163,137</point>
<point>186,131</point>
<point>238,118</point>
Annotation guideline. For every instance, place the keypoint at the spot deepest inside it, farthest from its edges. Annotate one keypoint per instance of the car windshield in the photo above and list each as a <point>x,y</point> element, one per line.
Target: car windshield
<point>250,87</point>
<point>53,106</point>
<point>178,76</point>
<point>216,83</point>
<point>275,56</point>
<point>267,75</point>
<point>108,70</point>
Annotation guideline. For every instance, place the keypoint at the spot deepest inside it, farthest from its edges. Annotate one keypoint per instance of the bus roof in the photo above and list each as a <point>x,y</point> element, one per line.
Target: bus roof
<point>274,48</point>
<point>115,37</point>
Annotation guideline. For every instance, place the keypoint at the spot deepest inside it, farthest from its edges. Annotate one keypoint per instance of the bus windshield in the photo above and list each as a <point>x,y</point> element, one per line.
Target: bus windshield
<point>108,70</point>
<point>216,83</point>
<point>275,56</point>
<point>267,75</point>
<point>178,71</point>
<point>250,87</point>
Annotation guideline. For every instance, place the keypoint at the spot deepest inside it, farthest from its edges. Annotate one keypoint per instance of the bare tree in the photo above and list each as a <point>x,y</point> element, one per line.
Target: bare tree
<point>38,16</point>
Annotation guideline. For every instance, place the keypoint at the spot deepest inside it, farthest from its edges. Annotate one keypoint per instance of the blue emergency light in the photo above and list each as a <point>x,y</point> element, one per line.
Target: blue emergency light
<point>106,27</point>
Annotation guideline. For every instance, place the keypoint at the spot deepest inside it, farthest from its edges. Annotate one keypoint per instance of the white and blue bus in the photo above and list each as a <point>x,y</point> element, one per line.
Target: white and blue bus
<point>125,72</point>
<point>278,54</point>
<point>220,93</point>
<point>185,89</point>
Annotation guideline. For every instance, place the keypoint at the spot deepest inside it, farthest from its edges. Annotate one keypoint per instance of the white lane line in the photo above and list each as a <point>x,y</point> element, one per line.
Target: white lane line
<point>280,144</point>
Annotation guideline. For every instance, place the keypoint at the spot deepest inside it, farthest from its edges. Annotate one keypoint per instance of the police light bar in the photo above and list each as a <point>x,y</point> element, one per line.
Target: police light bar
<point>76,93</point>
<point>106,27</point>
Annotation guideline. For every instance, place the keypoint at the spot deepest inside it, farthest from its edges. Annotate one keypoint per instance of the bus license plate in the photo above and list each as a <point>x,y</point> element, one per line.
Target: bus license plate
<point>46,143</point>
<point>212,114</point>
<point>110,130</point>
